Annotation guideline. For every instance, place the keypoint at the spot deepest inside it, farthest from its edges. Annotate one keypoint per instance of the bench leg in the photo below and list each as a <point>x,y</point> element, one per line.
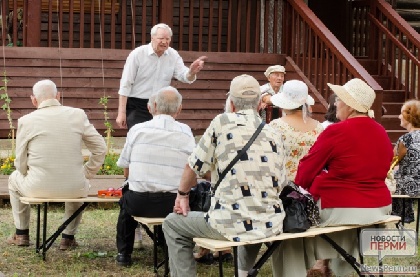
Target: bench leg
<point>38,227</point>
<point>155,237</point>
<point>44,231</point>
<point>47,243</point>
<point>418,217</point>
<point>267,254</point>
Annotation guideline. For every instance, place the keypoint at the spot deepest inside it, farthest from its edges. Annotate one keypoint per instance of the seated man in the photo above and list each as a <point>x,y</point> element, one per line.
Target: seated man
<point>153,159</point>
<point>49,161</point>
<point>246,205</point>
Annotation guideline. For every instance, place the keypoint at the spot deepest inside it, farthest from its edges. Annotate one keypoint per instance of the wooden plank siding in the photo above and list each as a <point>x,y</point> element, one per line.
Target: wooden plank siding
<point>83,77</point>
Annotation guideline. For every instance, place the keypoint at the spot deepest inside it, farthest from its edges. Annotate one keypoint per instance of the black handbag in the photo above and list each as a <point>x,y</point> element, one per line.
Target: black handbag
<point>294,205</point>
<point>201,194</point>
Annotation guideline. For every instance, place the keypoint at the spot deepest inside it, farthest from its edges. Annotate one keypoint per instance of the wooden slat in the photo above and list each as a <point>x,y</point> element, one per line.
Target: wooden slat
<point>66,5</point>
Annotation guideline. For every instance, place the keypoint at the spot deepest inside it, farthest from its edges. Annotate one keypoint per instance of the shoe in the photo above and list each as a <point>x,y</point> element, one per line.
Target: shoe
<point>18,240</point>
<point>124,260</point>
<point>68,244</point>
<point>205,259</point>
<point>226,257</point>
<point>408,219</point>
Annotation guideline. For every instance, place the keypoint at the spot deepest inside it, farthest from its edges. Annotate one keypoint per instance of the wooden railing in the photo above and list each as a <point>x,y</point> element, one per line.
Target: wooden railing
<point>319,55</point>
<point>392,42</point>
<point>211,25</point>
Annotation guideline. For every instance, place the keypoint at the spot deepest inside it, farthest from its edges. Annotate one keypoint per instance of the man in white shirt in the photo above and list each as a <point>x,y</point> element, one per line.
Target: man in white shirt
<point>153,159</point>
<point>149,68</point>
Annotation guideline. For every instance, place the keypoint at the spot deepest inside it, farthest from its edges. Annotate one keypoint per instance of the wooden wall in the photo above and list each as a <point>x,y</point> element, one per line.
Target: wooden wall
<point>85,75</point>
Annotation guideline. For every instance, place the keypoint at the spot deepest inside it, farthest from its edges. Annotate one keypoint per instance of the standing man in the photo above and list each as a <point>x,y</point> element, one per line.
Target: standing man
<point>246,205</point>
<point>49,161</point>
<point>149,68</point>
<point>153,159</point>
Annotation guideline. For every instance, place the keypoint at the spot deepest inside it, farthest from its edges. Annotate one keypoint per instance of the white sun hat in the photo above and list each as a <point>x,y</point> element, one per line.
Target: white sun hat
<point>294,95</point>
<point>356,94</point>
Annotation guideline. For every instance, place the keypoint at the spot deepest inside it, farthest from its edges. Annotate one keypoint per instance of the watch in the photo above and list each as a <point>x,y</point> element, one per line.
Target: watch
<point>183,193</point>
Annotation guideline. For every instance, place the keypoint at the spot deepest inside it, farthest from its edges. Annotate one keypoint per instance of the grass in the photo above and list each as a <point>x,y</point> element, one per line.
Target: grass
<point>96,253</point>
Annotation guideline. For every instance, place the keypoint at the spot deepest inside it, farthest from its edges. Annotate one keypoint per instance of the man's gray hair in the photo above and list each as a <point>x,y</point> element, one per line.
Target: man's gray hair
<point>245,103</point>
<point>162,26</point>
<point>44,90</point>
<point>168,100</point>
<point>151,104</point>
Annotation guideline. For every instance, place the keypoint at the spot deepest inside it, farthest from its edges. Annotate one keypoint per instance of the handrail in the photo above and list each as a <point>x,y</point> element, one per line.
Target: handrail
<point>397,48</point>
<point>323,58</point>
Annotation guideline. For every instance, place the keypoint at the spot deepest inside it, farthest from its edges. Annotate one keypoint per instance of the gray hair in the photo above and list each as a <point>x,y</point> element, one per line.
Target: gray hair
<point>162,26</point>
<point>168,100</point>
<point>245,103</point>
<point>151,104</point>
<point>44,90</point>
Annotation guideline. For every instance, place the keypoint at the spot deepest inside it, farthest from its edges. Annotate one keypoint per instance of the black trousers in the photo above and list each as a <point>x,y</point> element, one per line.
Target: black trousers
<point>145,204</point>
<point>137,111</point>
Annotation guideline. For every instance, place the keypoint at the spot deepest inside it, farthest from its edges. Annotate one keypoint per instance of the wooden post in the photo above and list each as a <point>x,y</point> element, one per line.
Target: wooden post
<point>166,12</point>
<point>33,23</point>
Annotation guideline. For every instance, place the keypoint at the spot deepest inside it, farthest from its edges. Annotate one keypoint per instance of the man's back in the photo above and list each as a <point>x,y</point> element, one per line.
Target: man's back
<point>156,152</point>
<point>49,143</point>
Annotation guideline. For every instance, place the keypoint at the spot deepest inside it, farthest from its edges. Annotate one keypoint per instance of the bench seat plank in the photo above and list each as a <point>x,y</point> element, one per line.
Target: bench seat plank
<point>221,245</point>
<point>33,200</point>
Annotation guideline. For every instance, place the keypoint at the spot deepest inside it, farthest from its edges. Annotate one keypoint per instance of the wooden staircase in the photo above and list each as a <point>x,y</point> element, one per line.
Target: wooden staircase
<point>391,102</point>
<point>410,11</point>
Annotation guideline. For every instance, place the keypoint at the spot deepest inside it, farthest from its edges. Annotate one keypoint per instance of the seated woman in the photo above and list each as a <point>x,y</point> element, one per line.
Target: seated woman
<point>407,149</point>
<point>330,116</point>
<point>345,171</point>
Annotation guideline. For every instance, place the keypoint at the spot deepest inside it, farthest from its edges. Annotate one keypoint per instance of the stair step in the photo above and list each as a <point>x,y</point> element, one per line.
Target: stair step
<point>393,96</point>
<point>409,14</point>
<point>383,81</point>
<point>370,65</point>
<point>391,122</point>
<point>395,134</point>
<point>408,4</point>
<point>392,108</point>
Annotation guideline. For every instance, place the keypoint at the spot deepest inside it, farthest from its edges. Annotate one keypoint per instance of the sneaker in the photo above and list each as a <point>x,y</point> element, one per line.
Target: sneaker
<point>18,240</point>
<point>123,260</point>
<point>68,244</point>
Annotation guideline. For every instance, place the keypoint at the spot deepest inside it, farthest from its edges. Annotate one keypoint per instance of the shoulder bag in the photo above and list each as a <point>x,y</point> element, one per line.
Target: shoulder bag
<point>200,196</point>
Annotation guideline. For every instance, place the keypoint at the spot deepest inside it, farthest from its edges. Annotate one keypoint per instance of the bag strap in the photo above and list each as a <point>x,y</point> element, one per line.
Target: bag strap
<point>244,149</point>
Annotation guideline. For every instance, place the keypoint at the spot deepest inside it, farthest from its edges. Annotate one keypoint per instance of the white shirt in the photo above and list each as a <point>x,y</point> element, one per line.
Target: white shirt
<point>145,73</point>
<point>156,153</point>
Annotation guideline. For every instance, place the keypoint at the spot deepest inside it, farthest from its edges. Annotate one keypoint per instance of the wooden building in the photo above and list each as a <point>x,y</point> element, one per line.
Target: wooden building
<point>82,46</point>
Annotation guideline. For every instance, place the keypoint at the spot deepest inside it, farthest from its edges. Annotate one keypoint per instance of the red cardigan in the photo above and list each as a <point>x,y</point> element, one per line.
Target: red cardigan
<point>347,165</point>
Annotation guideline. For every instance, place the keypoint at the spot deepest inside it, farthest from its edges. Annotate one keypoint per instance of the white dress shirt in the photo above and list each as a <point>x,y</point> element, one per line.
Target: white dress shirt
<point>145,72</point>
<point>156,153</point>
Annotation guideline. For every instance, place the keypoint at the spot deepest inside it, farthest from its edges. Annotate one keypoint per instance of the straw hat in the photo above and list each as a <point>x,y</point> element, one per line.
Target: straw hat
<point>244,86</point>
<point>355,94</point>
<point>294,95</point>
<point>274,68</point>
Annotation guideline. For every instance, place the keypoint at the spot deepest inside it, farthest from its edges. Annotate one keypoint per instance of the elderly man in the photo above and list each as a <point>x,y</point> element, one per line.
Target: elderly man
<point>149,68</point>
<point>275,76</point>
<point>246,205</point>
<point>153,159</point>
<point>49,161</point>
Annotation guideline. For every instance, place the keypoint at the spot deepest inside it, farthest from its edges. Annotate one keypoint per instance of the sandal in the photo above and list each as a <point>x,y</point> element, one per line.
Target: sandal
<point>205,259</point>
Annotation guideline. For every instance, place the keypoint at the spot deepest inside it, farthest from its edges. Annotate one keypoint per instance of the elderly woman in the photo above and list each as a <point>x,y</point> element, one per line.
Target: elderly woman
<point>407,149</point>
<point>345,171</point>
<point>275,76</point>
<point>298,130</point>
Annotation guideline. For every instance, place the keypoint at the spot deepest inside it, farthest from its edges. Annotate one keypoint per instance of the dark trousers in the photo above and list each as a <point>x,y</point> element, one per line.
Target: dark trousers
<point>137,111</point>
<point>144,204</point>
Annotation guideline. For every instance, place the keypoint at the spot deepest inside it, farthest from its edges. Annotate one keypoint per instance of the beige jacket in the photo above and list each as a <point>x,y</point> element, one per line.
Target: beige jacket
<point>49,151</point>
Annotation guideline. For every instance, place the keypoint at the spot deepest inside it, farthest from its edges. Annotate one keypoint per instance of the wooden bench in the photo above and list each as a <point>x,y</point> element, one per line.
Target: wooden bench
<point>47,243</point>
<point>154,222</point>
<point>404,197</point>
<point>274,242</point>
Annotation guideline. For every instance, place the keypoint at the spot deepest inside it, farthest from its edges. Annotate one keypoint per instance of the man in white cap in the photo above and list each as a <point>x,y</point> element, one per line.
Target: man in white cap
<point>236,212</point>
<point>275,76</point>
